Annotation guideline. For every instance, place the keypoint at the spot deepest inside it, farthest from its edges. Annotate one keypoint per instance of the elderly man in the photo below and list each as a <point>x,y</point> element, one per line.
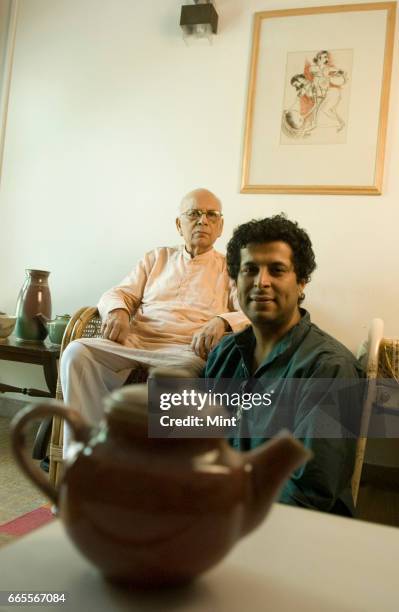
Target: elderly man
<point>172,309</point>
<point>313,379</point>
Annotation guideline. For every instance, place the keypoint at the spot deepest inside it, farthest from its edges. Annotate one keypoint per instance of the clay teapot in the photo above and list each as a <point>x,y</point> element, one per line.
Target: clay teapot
<point>155,512</point>
<point>54,327</point>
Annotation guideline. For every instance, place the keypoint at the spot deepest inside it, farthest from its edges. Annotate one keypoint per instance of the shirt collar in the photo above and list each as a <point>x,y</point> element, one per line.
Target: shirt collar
<point>287,345</point>
<point>203,256</point>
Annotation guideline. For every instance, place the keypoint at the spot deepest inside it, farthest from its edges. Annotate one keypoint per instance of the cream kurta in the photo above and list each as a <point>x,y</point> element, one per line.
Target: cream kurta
<point>169,296</point>
<point>172,295</point>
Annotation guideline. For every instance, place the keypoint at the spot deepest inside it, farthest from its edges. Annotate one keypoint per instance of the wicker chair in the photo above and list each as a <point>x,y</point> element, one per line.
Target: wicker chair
<point>382,363</point>
<point>85,323</point>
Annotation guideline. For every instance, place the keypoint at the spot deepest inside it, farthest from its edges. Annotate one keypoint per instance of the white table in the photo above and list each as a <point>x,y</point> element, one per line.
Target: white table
<point>298,560</point>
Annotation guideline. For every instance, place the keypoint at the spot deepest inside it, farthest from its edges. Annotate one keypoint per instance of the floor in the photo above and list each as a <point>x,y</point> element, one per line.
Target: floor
<point>18,495</point>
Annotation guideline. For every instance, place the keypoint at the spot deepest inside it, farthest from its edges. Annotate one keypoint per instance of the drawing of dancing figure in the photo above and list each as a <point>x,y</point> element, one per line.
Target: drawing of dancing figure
<point>318,91</point>
<point>328,83</point>
<point>299,120</point>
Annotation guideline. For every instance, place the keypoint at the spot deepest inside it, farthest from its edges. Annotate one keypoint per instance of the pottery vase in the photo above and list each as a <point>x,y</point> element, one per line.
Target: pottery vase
<point>34,298</point>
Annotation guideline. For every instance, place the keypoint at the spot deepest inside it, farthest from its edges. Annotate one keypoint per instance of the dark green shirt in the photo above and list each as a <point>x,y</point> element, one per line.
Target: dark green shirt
<point>309,354</point>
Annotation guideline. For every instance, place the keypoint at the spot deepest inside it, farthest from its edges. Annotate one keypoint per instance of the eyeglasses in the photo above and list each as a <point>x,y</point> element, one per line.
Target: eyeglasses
<point>194,214</point>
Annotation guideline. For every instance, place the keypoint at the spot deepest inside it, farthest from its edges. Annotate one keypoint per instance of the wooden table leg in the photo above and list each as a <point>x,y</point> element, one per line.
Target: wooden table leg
<point>44,432</point>
<point>51,373</point>
<point>42,439</point>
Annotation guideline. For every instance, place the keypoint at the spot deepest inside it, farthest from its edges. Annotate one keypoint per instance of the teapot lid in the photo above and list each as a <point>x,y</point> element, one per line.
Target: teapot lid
<point>129,404</point>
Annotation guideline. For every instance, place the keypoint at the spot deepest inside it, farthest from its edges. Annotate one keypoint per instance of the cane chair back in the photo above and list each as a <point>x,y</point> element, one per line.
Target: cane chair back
<point>382,363</point>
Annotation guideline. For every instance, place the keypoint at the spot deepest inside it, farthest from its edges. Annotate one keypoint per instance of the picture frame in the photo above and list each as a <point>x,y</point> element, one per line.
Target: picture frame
<point>318,98</point>
<point>8,27</point>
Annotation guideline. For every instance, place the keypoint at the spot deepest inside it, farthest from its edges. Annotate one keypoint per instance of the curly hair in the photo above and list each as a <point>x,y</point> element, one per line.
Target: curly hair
<point>271,229</point>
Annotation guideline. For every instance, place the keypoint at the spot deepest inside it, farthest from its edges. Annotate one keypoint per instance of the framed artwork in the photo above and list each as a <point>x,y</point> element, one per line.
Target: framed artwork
<point>318,100</point>
<point>8,26</point>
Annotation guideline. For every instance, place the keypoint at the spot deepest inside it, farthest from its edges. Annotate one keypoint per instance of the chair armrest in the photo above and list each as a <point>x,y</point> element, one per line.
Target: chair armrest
<point>84,323</point>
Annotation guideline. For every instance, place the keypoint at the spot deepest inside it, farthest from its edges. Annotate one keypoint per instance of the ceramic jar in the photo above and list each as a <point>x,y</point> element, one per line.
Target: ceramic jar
<point>34,298</point>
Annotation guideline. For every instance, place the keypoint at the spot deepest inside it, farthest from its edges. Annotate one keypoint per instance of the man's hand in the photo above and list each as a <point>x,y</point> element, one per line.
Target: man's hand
<point>116,326</point>
<point>208,336</point>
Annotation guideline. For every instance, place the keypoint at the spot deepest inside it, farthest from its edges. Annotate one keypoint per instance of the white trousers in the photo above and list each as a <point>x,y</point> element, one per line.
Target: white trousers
<point>91,368</point>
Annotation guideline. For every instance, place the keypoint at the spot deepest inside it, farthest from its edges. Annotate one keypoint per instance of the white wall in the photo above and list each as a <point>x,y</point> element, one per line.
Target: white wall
<point>112,119</point>
<point>4,19</point>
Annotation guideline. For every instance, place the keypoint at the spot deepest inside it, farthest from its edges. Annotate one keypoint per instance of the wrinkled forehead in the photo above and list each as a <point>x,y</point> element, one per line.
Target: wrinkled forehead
<point>203,201</point>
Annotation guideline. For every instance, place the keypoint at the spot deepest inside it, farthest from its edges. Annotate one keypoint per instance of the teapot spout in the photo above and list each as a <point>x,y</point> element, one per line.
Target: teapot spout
<point>43,320</point>
<point>271,464</point>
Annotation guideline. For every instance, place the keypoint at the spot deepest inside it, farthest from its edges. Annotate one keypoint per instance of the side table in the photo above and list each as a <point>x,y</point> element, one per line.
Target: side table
<point>45,355</point>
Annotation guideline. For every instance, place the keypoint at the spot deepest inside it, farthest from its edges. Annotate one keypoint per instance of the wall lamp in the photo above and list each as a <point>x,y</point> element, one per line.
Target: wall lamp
<point>199,20</point>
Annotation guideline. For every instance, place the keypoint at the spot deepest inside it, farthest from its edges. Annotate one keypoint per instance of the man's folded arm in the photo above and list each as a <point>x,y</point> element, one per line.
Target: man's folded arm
<point>325,479</point>
<point>327,419</point>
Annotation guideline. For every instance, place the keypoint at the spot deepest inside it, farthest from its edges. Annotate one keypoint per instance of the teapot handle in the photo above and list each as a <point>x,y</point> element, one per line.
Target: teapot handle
<point>79,426</point>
